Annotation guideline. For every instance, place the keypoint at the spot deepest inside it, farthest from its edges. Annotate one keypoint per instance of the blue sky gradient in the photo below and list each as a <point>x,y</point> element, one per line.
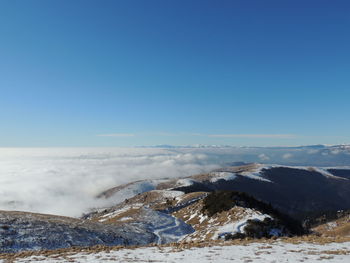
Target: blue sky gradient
<point>126,73</point>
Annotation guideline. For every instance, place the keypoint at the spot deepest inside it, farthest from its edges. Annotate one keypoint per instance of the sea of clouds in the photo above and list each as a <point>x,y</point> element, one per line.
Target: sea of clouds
<point>66,181</point>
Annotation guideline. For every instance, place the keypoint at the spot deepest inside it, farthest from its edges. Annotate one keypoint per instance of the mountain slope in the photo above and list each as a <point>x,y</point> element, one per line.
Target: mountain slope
<point>301,192</point>
<point>198,216</point>
<point>297,191</point>
<point>28,231</point>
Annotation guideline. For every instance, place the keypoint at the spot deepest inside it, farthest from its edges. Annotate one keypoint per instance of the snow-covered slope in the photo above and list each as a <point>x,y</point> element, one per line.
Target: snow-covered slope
<point>252,252</point>
<point>28,231</point>
<point>166,227</point>
<point>218,226</point>
<point>119,193</point>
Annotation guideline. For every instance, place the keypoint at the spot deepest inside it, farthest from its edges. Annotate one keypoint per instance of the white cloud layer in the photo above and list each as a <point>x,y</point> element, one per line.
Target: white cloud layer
<point>263,157</point>
<point>66,181</point>
<point>287,156</point>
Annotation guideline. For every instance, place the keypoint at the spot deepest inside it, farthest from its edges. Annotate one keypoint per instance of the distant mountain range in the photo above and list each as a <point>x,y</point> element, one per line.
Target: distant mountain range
<point>309,155</point>
<point>316,146</point>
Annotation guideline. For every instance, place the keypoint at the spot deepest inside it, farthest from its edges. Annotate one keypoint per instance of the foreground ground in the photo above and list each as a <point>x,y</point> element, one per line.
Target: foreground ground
<point>284,250</point>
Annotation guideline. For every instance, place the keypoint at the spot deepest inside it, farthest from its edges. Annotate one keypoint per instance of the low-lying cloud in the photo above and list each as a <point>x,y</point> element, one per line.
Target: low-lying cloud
<point>66,181</point>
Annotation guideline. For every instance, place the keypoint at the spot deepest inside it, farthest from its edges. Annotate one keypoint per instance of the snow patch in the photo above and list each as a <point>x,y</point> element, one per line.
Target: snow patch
<point>253,252</point>
<point>169,193</point>
<point>202,218</point>
<point>325,173</point>
<point>166,227</point>
<point>238,227</point>
<point>332,225</point>
<point>127,218</point>
<point>256,174</point>
<point>133,189</point>
<point>184,182</point>
<point>216,176</point>
<point>119,211</point>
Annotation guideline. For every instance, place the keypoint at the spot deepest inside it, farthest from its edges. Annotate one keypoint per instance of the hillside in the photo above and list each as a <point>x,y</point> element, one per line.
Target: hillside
<point>339,227</point>
<point>200,216</point>
<point>21,231</point>
<point>297,191</point>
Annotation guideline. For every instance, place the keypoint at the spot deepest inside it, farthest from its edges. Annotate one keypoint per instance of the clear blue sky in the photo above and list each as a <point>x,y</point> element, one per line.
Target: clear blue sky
<point>174,72</point>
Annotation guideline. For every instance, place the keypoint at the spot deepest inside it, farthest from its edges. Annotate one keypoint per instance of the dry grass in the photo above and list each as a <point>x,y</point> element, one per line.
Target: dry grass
<point>265,244</point>
<point>339,227</point>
